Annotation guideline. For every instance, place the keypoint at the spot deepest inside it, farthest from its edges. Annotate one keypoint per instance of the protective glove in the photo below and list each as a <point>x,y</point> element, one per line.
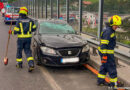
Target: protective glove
<point>104,59</point>
<point>10,32</point>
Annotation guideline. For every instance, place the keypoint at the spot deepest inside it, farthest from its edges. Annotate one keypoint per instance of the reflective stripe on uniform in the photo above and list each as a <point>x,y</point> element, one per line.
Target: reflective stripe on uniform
<point>113,79</point>
<point>22,35</point>
<point>19,60</point>
<point>101,76</point>
<point>21,27</point>
<point>101,33</point>
<point>34,26</point>
<point>30,28</point>
<point>12,32</point>
<point>16,28</point>
<point>104,41</point>
<point>30,58</point>
<point>112,35</point>
<point>106,51</point>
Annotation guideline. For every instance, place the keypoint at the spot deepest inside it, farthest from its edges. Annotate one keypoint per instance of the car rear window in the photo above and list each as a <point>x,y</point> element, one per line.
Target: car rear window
<point>55,28</point>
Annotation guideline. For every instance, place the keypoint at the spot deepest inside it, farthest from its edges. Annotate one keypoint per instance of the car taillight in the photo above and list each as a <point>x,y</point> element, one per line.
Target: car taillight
<point>8,16</point>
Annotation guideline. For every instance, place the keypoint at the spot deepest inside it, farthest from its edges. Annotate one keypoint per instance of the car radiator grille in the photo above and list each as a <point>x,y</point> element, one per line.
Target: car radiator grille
<point>69,52</point>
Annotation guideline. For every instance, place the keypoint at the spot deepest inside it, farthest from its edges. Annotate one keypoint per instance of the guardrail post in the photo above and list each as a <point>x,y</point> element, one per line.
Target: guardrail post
<point>33,7</point>
<point>29,7</point>
<point>26,5</point>
<point>35,10</point>
<point>67,11</point>
<point>42,8</point>
<point>46,8</point>
<point>38,8</point>
<point>100,20</point>
<point>19,3</point>
<point>80,13</point>
<point>51,8</point>
<point>58,9</point>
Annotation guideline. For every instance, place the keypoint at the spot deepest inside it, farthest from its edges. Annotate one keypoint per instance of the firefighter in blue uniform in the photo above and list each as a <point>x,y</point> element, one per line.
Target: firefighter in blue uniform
<point>24,28</point>
<point>106,51</point>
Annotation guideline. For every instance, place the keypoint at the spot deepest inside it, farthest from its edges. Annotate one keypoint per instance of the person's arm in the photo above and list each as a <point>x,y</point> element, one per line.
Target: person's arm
<point>105,39</point>
<point>104,45</point>
<point>16,28</point>
<point>33,26</point>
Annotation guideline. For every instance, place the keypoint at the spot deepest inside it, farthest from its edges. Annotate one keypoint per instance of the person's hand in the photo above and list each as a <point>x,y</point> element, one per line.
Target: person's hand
<point>104,59</point>
<point>10,32</point>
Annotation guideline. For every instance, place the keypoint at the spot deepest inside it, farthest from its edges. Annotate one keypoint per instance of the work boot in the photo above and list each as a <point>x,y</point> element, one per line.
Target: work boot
<point>115,87</point>
<point>31,66</point>
<point>120,84</point>
<point>19,64</point>
<point>103,84</point>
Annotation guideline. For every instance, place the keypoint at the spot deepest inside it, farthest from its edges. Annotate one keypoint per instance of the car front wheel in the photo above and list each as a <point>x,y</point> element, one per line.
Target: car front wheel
<point>35,55</point>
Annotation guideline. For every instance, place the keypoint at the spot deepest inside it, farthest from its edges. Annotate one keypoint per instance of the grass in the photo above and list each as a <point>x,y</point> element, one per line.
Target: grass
<point>90,30</point>
<point>126,42</point>
<point>93,1</point>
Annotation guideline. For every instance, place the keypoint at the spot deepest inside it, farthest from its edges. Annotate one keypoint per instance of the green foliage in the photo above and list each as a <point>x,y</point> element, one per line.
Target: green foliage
<point>126,42</point>
<point>126,24</point>
<point>123,37</point>
<point>90,30</point>
<point>10,1</point>
<point>93,1</point>
<point>117,6</point>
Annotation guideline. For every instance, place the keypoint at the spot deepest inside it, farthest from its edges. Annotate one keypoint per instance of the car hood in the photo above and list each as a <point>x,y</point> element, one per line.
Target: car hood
<point>62,41</point>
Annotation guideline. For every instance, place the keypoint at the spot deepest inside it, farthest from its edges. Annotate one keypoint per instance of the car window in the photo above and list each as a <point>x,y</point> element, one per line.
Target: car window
<point>16,10</point>
<point>13,10</point>
<point>55,28</point>
<point>9,10</point>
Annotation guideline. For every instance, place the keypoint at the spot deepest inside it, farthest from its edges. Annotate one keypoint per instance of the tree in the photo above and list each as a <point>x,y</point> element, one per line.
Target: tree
<point>126,24</point>
<point>10,1</point>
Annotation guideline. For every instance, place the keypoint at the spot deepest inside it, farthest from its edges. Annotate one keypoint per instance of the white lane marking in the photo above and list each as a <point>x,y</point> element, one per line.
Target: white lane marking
<point>49,79</point>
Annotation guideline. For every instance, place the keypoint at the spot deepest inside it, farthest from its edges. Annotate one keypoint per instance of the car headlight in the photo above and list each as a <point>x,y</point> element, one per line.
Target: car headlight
<point>48,50</point>
<point>85,48</point>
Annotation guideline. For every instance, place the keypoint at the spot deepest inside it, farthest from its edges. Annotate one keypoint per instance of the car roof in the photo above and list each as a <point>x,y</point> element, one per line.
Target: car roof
<point>52,21</point>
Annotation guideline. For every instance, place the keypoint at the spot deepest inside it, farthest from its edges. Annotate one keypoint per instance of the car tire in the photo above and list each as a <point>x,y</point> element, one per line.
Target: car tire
<point>37,60</point>
<point>35,55</point>
<point>6,23</point>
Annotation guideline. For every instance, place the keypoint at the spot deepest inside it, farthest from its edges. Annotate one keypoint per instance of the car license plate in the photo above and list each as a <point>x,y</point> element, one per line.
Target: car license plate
<point>69,60</point>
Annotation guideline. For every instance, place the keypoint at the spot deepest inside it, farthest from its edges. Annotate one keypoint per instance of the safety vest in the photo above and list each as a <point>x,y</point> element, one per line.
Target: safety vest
<point>24,28</point>
<point>28,35</point>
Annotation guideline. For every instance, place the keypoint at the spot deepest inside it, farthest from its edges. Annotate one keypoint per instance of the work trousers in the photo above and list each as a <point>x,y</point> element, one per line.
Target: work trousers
<point>23,43</point>
<point>109,66</point>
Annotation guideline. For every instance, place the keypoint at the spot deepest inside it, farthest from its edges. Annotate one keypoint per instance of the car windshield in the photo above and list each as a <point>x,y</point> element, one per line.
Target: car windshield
<point>13,10</point>
<point>55,28</point>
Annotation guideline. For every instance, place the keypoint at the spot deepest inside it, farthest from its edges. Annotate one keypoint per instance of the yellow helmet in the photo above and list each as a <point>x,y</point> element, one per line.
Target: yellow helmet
<point>23,10</point>
<point>115,20</point>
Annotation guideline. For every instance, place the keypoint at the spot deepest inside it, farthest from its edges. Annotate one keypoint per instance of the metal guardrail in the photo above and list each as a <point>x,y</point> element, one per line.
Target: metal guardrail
<point>123,56</point>
<point>94,36</point>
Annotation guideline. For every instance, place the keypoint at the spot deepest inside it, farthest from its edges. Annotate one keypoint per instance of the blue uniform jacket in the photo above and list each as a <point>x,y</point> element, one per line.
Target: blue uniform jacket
<point>24,28</point>
<point>108,41</point>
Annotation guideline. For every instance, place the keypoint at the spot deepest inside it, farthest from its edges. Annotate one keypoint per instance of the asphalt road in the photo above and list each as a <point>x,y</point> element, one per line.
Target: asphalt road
<point>42,78</point>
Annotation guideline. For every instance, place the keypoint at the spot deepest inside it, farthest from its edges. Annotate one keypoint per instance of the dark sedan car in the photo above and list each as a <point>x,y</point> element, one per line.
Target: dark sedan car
<point>55,43</point>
